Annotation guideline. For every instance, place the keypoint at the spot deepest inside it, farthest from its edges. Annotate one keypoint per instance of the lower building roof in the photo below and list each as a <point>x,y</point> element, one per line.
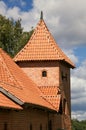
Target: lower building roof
<point>52,95</point>
<point>14,81</point>
<point>7,103</point>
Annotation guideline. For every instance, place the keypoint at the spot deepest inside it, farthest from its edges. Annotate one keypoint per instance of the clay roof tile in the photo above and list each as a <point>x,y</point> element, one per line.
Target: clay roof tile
<point>52,95</point>
<point>42,46</point>
<point>8,103</point>
<point>17,83</point>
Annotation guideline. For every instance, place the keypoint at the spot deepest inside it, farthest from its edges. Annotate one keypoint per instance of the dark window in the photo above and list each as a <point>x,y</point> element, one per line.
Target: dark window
<point>40,126</point>
<point>64,105</point>
<point>60,109</point>
<point>5,126</point>
<point>46,127</point>
<point>64,76</point>
<point>50,125</point>
<point>44,73</point>
<point>30,126</point>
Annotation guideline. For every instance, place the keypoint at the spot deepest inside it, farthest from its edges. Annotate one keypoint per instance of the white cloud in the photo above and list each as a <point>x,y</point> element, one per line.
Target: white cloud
<point>80,71</point>
<point>3,8</point>
<point>78,92</point>
<point>80,115</point>
<point>14,13</point>
<point>66,19</point>
<point>71,55</point>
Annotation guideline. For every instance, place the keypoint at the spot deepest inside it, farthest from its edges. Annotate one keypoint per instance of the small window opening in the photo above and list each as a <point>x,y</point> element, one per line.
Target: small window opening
<point>30,126</point>
<point>65,106</point>
<point>50,125</point>
<point>40,126</point>
<point>44,73</point>
<point>5,126</point>
<point>60,109</point>
<point>64,76</point>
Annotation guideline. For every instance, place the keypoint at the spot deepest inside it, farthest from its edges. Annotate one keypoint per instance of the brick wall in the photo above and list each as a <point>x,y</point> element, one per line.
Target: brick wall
<point>55,70</point>
<point>54,75</point>
<point>34,71</point>
<point>24,119</point>
<point>65,84</point>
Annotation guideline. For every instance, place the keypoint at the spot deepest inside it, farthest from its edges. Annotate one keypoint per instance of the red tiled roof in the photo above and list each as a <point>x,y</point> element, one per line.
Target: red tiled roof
<point>15,81</point>
<point>52,95</point>
<point>49,90</point>
<point>42,46</point>
<point>54,100</point>
<point>7,103</point>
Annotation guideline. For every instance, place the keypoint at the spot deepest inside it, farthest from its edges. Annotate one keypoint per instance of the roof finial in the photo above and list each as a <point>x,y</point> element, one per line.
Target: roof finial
<point>41,17</point>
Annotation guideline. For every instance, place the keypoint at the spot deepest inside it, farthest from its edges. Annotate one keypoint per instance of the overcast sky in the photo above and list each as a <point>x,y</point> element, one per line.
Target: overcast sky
<point>66,20</point>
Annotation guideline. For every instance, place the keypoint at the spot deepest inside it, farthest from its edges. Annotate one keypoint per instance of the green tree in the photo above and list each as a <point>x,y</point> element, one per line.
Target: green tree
<point>17,32</point>
<point>24,39</point>
<point>78,125</point>
<point>12,37</point>
<point>5,33</point>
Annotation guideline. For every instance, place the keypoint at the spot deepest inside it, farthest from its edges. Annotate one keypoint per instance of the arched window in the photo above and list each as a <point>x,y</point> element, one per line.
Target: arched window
<point>44,73</point>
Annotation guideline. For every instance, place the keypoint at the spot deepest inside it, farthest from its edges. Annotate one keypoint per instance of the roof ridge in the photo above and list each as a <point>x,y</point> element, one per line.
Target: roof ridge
<point>52,38</point>
<point>44,98</point>
<point>9,84</point>
<point>51,95</point>
<point>49,101</point>
<point>49,86</point>
<point>11,76</point>
<point>57,47</point>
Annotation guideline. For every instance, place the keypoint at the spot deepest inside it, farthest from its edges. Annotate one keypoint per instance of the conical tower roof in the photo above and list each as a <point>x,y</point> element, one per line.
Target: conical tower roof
<point>42,46</point>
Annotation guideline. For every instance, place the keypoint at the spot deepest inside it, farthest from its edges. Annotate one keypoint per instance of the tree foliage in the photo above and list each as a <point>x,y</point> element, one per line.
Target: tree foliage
<point>12,37</point>
<point>78,125</point>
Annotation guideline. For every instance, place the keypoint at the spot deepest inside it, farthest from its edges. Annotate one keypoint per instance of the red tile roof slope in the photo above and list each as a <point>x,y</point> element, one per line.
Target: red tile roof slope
<point>52,95</point>
<point>15,81</point>
<point>7,103</point>
<point>54,100</point>
<point>42,46</point>
<point>49,90</point>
